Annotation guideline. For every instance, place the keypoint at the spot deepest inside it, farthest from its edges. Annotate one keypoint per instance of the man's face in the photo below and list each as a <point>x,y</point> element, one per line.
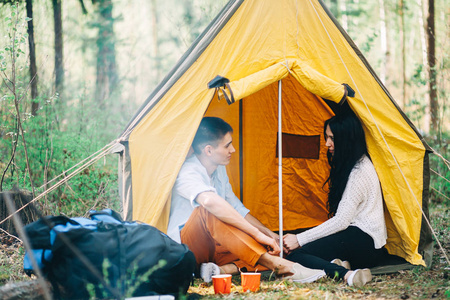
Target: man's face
<point>221,154</point>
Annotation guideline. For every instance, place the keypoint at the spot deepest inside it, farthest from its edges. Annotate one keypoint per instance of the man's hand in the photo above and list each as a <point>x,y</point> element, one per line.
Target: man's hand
<point>255,222</point>
<point>272,247</point>
<point>290,242</point>
<point>227,214</point>
<point>273,235</point>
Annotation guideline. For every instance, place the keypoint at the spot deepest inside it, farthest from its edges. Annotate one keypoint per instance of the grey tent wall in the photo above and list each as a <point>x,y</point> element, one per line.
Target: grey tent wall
<point>125,186</point>
<point>426,237</point>
<point>426,241</point>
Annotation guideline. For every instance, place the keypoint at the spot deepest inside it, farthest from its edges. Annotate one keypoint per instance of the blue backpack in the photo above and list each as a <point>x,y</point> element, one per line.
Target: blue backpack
<point>105,257</point>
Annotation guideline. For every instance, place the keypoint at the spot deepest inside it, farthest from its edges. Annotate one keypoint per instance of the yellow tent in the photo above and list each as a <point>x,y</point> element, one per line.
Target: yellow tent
<point>295,52</point>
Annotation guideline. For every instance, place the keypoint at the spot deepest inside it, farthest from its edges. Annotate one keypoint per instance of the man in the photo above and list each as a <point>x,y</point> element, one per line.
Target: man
<point>207,216</point>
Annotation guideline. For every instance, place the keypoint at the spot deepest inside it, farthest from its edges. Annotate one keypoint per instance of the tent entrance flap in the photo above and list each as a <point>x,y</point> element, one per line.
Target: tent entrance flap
<point>310,79</point>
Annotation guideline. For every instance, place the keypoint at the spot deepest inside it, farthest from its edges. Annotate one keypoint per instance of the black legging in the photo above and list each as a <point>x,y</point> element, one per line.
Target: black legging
<point>351,244</point>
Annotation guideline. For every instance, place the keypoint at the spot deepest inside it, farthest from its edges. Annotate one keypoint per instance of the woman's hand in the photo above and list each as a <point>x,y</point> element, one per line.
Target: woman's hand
<point>290,242</point>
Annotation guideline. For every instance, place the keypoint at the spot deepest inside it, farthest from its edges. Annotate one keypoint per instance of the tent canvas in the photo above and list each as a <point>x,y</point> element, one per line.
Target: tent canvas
<point>255,44</point>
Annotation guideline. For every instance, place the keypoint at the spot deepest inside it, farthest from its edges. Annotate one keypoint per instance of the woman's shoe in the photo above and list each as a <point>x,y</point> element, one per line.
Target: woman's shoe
<point>359,277</point>
<point>304,275</point>
<point>341,263</point>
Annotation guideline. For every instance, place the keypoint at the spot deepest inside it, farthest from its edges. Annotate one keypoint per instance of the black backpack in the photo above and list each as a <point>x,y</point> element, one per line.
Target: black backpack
<point>105,257</point>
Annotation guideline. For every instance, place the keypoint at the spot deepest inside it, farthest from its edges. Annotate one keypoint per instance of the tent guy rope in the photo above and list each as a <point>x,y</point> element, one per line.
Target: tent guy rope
<point>440,193</point>
<point>446,162</point>
<point>104,151</point>
<point>382,135</point>
<point>439,175</point>
<point>76,165</point>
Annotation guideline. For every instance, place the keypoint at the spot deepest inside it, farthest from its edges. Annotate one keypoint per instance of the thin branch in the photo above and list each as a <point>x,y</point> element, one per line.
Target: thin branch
<point>13,154</point>
<point>24,146</point>
<point>11,235</point>
<point>5,77</point>
<point>16,103</point>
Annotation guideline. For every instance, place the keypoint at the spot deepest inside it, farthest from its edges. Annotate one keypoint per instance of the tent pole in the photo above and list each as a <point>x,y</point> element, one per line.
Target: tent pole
<point>280,172</point>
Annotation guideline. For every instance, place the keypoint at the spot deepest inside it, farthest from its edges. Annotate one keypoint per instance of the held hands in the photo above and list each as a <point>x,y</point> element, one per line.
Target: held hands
<point>290,242</point>
<point>269,242</point>
<point>275,236</point>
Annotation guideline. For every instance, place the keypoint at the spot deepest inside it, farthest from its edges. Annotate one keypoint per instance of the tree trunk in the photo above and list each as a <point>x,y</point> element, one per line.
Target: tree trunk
<point>33,68</point>
<point>384,42</point>
<point>334,8</point>
<point>423,74</point>
<point>431,44</point>
<point>423,41</point>
<point>27,215</point>
<point>154,13</point>
<point>188,18</point>
<point>30,290</point>
<point>59,68</point>
<point>402,50</point>
<point>107,78</point>
<point>344,16</point>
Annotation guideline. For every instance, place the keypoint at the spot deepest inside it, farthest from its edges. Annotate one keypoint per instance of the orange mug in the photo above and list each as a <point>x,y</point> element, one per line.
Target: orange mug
<point>250,281</point>
<point>222,283</point>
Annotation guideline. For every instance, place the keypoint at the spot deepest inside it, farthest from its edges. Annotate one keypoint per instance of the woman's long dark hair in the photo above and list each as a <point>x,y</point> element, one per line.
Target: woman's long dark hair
<point>349,147</point>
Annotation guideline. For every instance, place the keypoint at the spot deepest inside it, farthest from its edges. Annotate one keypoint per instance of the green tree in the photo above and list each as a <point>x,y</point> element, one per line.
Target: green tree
<point>107,77</point>
<point>431,55</point>
<point>10,54</point>
<point>32,51</point>
<point>59,45</point>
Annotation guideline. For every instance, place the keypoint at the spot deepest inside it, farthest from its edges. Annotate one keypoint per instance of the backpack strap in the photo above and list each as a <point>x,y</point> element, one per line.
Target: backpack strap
<point>106,215</point>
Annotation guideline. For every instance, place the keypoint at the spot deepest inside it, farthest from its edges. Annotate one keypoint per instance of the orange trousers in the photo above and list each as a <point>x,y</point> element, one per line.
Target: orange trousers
<point>212,240</point>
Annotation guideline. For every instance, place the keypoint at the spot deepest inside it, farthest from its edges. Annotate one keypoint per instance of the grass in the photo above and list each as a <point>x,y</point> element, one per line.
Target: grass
<point>11,259</point>
<point>418,283</point>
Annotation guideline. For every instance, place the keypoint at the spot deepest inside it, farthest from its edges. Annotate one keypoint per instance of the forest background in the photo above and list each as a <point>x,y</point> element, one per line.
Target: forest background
<point>74,72</point>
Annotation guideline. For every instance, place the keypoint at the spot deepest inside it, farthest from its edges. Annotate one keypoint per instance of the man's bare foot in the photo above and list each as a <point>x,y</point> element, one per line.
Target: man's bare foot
<point>279,265</point>
<point>229,269</point>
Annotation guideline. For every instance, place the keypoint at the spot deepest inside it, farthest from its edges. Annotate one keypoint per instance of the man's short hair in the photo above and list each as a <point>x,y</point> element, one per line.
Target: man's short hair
<point>210,132</point>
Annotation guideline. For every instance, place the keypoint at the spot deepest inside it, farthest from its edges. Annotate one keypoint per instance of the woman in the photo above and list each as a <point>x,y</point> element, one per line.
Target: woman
<point>356,230</point>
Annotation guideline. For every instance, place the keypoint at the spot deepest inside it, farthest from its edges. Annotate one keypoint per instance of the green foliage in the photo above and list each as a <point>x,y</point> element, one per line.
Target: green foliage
<point>131,281</point>
<point>418,77</point>
<point>54,151</point>
<point>15,40</point>
<point>370,40</point>
<point>52,147</point>
<point>440,170</point>
<point>134,282</point>
<point>11,259</point>
<point>415,110</point>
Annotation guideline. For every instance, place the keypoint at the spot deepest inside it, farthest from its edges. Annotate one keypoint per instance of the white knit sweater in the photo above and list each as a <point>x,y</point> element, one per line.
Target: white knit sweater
<point>361,206</point>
